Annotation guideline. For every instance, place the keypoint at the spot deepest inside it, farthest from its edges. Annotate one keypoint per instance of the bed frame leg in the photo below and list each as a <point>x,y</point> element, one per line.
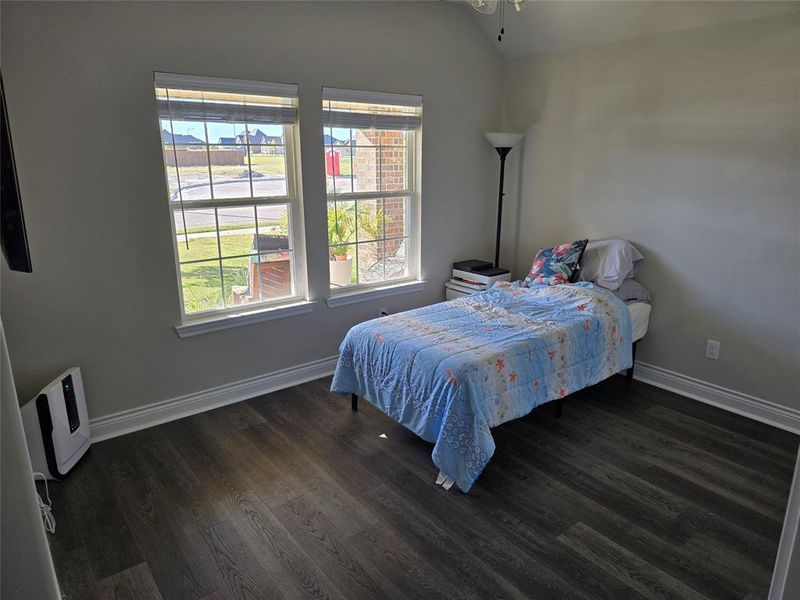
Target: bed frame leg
<point>354,402</point>
<point>559,409</point>
<point>629,372</point>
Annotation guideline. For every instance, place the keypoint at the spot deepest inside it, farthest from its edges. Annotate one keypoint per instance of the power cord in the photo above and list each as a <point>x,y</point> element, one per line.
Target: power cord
<point>46,508</point>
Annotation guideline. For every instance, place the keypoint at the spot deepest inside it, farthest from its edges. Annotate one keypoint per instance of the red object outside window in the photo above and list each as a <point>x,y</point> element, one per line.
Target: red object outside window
<point>332,166</point>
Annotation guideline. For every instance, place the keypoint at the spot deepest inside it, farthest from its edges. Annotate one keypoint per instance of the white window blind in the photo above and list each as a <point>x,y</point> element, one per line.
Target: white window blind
<point>371,110</point>
<point>186,98</point>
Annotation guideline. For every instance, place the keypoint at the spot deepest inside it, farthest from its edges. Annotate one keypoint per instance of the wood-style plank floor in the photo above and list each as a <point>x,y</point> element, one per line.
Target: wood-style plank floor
<point>634,493</point>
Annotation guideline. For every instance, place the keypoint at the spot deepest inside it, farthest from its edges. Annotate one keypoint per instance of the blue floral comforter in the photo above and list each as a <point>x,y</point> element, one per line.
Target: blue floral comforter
<point>450,372</point>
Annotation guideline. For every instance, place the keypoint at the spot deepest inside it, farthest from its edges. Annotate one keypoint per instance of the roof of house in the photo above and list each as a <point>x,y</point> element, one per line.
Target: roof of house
<point>259,137</point>
<point>332,141</point>
<point>227,140</point>
<point>179,138</point>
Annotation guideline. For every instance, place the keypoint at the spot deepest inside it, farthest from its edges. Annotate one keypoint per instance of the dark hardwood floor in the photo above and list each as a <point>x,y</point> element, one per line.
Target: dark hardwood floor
<point>633,493</point>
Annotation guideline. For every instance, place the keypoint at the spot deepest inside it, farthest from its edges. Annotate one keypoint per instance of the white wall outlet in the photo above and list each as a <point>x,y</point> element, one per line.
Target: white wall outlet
<point>383,311</point>
<point>712,349</point>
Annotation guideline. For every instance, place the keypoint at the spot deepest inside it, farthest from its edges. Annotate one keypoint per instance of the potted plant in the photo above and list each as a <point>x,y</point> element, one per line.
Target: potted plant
<point>341,230</point>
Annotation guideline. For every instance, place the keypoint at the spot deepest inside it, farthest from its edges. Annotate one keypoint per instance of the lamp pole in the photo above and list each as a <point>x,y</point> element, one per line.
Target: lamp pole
<point>503,152</point>
<point>502,141</point>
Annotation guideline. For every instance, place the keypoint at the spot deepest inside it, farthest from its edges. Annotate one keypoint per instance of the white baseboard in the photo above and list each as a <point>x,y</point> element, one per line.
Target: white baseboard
<point>737,402</point>
<point>109,426</point>
<point>126,421</point>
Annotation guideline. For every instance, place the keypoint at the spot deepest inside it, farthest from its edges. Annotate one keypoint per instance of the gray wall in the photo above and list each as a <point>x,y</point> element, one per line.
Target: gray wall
<point>687,144</point>
<point>79,84</point>
<point>27,568</point>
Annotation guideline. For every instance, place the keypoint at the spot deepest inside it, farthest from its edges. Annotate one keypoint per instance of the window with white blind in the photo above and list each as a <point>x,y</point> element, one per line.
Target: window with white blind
<point>372,149</point>
<point>230,149</point>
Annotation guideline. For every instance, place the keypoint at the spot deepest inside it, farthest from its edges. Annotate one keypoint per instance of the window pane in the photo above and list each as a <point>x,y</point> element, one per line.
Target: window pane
<point>260,133</point>
<point>338,161</point>
<point>393,168</point>
<point>173,189</point>
<point>370,262</point>
<point>366,137</point>
<point>187,167</point>
<point>396,216</point>
<point>198,240</point>
<point>268,164</point>
<point>370,220</point>
<point>237,230</point>
<point>273,277</point>
<point>392,137</point>
<point>230,174</point>
<point>343,265</point>
<point>236,272</point>
<point>227,134</point>
<point>273,222</point>
<point>365,168</point>
<point>382,261</point>
<point>187,132</point>
<point>335,136</point>
<point>341,222</point>
<point>202,289</point>
<point>395,259</point>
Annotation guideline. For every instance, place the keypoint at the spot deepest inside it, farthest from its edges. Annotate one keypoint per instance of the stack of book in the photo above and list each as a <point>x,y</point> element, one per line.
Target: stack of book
<point>471,276</point>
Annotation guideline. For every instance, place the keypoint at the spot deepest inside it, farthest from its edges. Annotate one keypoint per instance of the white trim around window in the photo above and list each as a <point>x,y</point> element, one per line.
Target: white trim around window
<point>230,320</point>
<point>374,293</point>
<point>232,163</point>
<point>372,146</point>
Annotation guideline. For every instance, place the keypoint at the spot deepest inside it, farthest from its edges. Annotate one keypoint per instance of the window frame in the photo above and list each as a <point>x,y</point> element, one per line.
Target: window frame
<point>413,193</point>
<point>292,198</point>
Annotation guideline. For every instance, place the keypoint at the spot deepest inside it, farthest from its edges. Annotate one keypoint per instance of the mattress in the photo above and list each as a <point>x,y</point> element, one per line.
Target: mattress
<point>640,317</point>
<point>451,371</point>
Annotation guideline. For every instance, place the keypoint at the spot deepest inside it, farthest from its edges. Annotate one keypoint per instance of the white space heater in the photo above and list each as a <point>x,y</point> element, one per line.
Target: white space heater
<point>57,425</point>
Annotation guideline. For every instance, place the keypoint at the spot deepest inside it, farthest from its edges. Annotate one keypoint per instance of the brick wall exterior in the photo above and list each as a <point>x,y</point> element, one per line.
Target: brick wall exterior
<point>390,160</point>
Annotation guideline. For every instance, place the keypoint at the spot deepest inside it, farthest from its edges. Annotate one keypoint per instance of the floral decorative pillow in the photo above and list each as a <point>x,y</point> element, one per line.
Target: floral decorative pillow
<point>556,265</point>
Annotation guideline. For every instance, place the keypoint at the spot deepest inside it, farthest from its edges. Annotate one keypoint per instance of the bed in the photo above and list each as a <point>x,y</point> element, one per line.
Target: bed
<point>640,319</point>
<point>451,371</point>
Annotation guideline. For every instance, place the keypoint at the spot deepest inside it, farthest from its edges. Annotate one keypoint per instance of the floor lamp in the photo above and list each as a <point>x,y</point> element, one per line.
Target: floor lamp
<point>502,142</point>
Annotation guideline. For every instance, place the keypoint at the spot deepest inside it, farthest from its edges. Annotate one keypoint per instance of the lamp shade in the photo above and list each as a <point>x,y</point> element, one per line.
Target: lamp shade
<point>503,139</point>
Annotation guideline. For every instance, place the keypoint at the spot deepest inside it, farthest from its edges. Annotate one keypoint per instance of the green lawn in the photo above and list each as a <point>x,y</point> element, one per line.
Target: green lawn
<point>201,284</point>
<point>262,226</point>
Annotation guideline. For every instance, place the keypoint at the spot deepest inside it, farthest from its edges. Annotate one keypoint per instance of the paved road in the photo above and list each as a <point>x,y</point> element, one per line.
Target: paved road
<point>240,215</point>
<point>204,217</point>
<point>239,188</point>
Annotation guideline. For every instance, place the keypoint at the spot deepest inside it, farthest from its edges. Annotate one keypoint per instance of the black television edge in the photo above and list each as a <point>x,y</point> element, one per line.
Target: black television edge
<point>13,237</point>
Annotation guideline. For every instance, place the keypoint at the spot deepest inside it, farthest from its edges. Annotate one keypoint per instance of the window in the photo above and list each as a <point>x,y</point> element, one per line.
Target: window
<point>229,154</point>
<point>371,154</point>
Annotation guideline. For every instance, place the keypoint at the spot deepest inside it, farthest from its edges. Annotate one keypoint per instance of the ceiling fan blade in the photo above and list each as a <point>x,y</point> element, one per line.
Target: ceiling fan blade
<point>486,7</point>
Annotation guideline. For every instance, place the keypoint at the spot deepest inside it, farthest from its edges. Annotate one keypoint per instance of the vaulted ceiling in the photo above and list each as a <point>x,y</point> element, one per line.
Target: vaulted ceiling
<point>546,26</point>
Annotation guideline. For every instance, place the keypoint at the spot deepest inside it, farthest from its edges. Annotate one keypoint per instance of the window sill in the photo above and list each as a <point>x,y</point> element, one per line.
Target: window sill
<point>362,295</point>
<point>218,323</point>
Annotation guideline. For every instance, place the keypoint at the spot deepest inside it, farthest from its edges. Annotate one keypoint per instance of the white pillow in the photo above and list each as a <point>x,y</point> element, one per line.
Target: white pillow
<point>608,262</point>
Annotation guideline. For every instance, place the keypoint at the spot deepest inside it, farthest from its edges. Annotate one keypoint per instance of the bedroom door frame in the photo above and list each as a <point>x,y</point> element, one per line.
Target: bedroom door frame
<point>787,546</point>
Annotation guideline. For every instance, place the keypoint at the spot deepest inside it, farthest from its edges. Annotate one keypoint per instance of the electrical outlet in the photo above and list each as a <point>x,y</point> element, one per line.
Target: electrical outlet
<point>383,311</point>
<point>712,349</point>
